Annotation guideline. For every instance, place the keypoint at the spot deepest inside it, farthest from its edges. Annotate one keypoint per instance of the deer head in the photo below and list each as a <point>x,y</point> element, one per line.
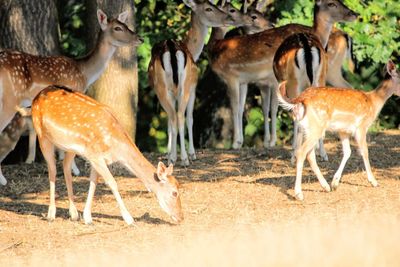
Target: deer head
<point>255,12</point>
<point>335,10</point>
<point>168,194</point>
<point>394,73</point>
<point>239,18</point>
<point>116,29</point>
<point>209,14</point>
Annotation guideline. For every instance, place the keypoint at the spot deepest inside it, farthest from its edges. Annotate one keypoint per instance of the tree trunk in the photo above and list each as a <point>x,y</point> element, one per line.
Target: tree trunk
<point>29,26</point>
<point>118,85</point>
<point>213,116</point>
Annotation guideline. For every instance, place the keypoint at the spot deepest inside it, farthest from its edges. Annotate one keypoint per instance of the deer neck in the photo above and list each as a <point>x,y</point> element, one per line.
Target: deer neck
<point>323,25</point>
<point>94,64</point>
<point>140,166</point>
<point>382,93</point>
<point>196,36</point>
<point>217,33</point>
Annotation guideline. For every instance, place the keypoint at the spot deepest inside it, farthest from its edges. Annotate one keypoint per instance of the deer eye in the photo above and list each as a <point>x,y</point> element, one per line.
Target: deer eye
<point>232,10</point>
<point>208,9</point>
<point>254,17</point>
<point>175,194</point>
<point>331,5</point>
<point>118,29</point>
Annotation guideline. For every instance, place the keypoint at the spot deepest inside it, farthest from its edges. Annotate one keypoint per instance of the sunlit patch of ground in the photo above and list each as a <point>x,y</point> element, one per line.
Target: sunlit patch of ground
<point>239,211</point>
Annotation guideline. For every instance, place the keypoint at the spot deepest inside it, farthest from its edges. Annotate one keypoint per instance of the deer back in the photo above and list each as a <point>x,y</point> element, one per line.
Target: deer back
<point>171,63</point>
<point>76,122</point>
<point>28,71</point>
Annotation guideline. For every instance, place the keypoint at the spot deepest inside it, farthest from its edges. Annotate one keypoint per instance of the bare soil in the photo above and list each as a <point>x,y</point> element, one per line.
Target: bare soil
<point>229,197</point>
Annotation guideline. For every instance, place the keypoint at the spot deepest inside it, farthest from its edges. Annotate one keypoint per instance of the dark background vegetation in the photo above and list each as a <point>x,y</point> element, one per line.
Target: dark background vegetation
<point>376,38</point>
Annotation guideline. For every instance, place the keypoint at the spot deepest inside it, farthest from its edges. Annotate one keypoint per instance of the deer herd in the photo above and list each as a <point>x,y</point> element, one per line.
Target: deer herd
<point>291,65</point>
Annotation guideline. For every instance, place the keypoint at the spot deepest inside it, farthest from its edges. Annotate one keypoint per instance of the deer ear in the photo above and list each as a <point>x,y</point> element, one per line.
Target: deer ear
<point>190,3</point>
<point>123,16</point>
<point>162,171</point>
<point>170,169</point>
<point>102,18</point>
<point>391,68</point>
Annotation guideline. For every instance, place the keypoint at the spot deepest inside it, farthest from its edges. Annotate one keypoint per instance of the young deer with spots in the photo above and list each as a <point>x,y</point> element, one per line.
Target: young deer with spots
<point>301,60</point>
<point>249,58</point>
<point>23,76</point>
<point>92,131</point>
<point>345,111</point>
<point>173,74</point>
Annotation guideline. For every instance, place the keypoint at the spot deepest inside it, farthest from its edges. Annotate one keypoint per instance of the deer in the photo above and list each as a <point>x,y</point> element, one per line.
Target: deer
<point>346,111</point>
<point>173,74</point>
<point>92,131</point>
<point>339,50</point>
<point>23,76</point>
<point>242,59</point>
<point>301,61</point>
<point>11,134</point>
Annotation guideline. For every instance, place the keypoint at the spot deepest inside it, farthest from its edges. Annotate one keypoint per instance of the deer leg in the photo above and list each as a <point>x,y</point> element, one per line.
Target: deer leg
<point>32,141</point>
<point>361,139</point>
<point>3,180</point>
<point>314,166</point>
<point>182,104</point>
<point>274,112</point>
<point>301,153</point>
<point>234,92</point>
<point>346,155</point>
<point>295,141</point>
<point>74,167</point>
<point>321,150</point>
<point>102,169</point>
<point>87,212</point>
<point>48,153</point>
<point>266,105</point>
<point>68,159</point>
<point>242,104</point>
<point>168,105</point>
<point>189,122</point>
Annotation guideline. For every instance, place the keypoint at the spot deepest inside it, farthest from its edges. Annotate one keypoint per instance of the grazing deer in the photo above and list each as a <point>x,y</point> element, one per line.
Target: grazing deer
<point>173,74</point>
<point>249,58</point>
<point>23,76</point>
<point>92,131</point>
<point>345,111</point>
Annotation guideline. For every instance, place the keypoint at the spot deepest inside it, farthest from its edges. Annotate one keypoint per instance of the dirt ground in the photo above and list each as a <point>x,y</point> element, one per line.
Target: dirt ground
<point>239,211</point>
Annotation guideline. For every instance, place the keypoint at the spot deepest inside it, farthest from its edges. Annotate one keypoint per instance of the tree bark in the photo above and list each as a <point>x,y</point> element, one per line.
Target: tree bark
<point>118,85</point>
<point>29,26</point>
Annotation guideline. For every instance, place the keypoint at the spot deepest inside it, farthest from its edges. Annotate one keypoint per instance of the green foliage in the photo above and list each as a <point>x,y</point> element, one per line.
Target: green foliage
<point>376,37</point>
<point>157,21</point>
<point>376,34</point>
<point>71,25</point>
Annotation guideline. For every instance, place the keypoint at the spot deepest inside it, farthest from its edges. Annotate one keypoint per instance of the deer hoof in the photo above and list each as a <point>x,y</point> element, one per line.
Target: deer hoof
<point>192,156</point>
<point>237,145</point>
<point>185,162</point>
<point>335,184</point>
<point>374,183</point>
<point>299,196</point>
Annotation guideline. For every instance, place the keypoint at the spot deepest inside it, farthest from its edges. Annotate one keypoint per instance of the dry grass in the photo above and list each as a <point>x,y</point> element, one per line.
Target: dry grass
<point>239,211</point>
